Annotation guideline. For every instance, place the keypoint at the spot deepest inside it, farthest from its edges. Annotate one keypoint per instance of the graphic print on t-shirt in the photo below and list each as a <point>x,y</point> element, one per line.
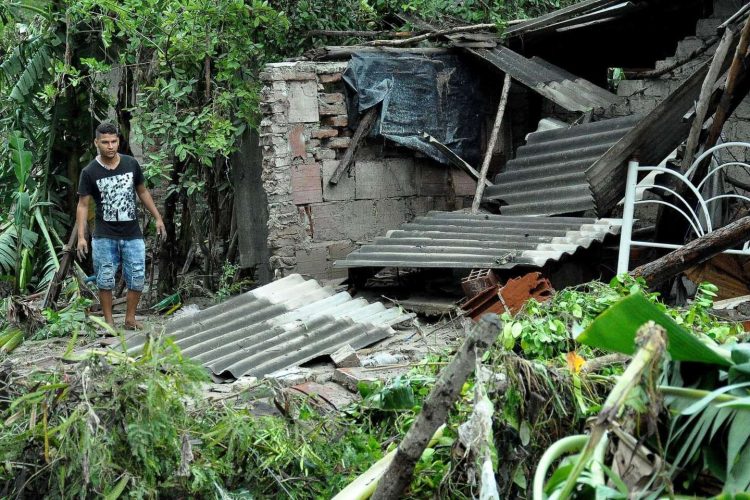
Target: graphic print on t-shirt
<point>118,202</point>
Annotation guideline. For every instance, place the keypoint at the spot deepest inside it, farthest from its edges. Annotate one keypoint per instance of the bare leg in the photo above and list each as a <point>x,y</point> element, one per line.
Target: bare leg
<point>132,304</point>
<point>105,298</point>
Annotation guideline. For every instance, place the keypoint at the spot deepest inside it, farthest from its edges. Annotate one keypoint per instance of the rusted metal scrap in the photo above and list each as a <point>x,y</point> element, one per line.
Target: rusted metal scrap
<point>511,297</point>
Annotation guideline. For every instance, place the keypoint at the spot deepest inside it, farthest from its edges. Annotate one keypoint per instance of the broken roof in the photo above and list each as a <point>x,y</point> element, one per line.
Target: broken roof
<point>555,159</point>
<point>465,240</point>
<point>282,324</point>
<point>557,85</point>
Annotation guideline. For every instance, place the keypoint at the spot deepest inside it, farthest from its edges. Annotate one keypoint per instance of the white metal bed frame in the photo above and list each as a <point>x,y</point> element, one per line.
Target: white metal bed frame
<point>692,216</point>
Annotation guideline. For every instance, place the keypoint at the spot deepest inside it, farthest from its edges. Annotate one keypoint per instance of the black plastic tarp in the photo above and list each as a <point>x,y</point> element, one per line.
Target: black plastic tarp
<point>438,95</point>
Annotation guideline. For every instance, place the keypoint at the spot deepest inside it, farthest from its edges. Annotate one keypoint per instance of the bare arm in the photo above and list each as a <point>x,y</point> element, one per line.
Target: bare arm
<point>82,216</point>
<point>148,202</point>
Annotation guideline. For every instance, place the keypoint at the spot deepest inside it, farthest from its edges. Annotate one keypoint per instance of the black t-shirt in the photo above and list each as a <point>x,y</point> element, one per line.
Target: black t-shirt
<point>115,197</point>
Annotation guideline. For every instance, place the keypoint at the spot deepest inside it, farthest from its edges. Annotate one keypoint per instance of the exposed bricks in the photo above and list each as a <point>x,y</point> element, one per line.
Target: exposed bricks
<point>325,133</point>
<point>339,142</point>
<point>328,109</point>
<point>297,141</point>
<point>335,121</point>
<point>334,98</point>
<point>335,77</point>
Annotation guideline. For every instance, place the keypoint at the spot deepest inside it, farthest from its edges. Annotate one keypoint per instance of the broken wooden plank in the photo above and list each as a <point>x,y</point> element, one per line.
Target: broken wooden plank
<point>436,407</point>
<point>364,127</point>
<point>701,108</point>
<point>695,252</point>
<point>454,158</point>
<point>491,145</point>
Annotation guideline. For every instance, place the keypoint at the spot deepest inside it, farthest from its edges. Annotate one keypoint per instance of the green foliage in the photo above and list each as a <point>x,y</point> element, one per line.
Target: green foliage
<point>70,321</point>
<point>228,283</point>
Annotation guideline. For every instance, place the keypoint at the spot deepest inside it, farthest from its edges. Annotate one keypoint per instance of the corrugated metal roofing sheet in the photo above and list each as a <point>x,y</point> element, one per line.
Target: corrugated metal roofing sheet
<point>282,324</point>
<point>547,177</point>
<point>548,80</point>
<point>465,240</point>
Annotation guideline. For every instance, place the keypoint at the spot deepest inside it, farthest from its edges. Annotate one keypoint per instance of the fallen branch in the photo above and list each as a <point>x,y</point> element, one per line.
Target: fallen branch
<point>695,252</point>
<point>491,145</point>
<point>596,364</point>
<point>434,34</point>
<point>364,127</point>
<point>357,33</point>
<point>436,407</point>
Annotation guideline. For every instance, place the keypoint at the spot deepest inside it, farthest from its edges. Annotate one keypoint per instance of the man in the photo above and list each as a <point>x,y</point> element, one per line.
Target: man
<point>113,180</point>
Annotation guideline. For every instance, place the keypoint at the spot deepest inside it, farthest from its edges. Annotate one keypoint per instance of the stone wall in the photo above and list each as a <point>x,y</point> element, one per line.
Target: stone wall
<point>304,132</point>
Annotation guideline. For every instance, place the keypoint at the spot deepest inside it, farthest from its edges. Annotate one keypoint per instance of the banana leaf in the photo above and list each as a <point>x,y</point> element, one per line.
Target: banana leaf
<point>615,330</point>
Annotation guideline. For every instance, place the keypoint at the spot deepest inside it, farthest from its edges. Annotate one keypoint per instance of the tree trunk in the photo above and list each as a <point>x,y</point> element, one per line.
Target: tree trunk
<point>436,407</point>
<point>695,252</point>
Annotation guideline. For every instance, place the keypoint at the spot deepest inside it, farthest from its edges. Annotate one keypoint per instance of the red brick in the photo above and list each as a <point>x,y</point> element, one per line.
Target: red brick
<point>336,121</point>
<point>325,133</point>
<point>333,98</point>
<point>329,109</point>
<point>306,184</point>
<point>335,77</point>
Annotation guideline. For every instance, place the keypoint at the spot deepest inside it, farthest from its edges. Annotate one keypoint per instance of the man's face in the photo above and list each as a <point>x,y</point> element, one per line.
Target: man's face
<point>107,144</point>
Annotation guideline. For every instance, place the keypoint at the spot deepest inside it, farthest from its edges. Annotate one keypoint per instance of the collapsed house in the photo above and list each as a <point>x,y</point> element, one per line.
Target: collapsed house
<point>366,162</point>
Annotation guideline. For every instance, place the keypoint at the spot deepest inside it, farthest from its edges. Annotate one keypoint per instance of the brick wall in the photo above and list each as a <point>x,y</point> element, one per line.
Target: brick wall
<point>303,134</point>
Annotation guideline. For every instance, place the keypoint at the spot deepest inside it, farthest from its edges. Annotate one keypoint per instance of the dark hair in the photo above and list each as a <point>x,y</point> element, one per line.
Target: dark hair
<point>105,128</point>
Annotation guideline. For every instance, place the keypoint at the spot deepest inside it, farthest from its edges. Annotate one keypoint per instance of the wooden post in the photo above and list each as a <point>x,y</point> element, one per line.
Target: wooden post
<point>491,145</point>
<point>736,71</point>
<point>365,124</point>
<point>695,252</point>
<point>436,407</point>
<point>701,109</point>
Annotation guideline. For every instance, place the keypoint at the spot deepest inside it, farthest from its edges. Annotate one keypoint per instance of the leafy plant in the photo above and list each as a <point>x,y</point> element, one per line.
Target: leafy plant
<point>69,321</point>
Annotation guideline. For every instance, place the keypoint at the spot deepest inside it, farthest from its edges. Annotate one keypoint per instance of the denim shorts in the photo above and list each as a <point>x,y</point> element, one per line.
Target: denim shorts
<point>108,254</point>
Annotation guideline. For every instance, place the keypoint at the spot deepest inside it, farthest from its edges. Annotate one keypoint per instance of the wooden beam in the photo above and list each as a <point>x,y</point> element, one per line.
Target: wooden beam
<point>436,407</point>
<point>491,145</point>
<point>364,127</point>
<point>338,52</point>
<point>695,252</point>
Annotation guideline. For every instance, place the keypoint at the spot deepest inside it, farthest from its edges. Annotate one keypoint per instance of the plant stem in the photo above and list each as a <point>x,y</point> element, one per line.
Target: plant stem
<point>652,339</point>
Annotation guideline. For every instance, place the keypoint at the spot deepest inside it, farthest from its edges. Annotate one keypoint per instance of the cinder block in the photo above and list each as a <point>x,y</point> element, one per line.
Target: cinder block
<point>389,214</point>
<point>341,220</point>
<point>630,87</point>
<point>341,249</point>
<point>644,105</point>
<point>344,190</point>
<point>303,102</point>
<point>432,179</point>
<point>659,88</point>
<point>688,46</point>
<point>306,184</point>
<point>313,261</point>
<point>463,184</point>
<point>389,178</point>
